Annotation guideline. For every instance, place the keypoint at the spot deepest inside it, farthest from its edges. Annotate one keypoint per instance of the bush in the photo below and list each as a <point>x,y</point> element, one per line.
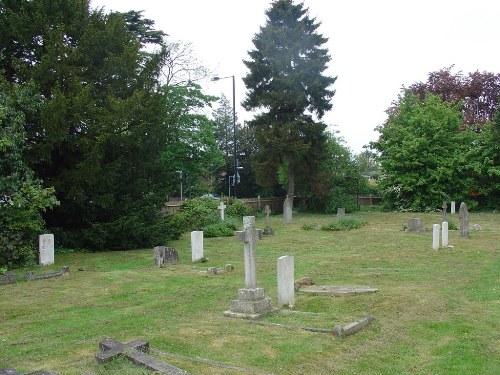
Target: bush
<point>238,209</point>
<point>309,226</point>
<point>344,223</point>
<point>197,213</point>
<point>220,229</point>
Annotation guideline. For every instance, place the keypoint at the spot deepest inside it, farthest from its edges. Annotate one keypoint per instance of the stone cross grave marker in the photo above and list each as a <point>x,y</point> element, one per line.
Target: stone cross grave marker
<point>444,234</point>
<point>340,212</point>
<point>165,255</point>
<point>196,245</point>
<point>452,209</point>
<point>221,207</point>
<point>267,231</point>
<point>46,249</point>
<point>136,351</point>
<point>463,215</point>
<point>287,211</point>
<point>435,236</point>
<point>286,291</point>
<point>251,302</point>
<point>445,211</point>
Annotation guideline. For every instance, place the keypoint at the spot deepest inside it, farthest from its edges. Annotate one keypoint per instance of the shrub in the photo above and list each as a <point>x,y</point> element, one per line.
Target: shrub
<point>220,229</point>
<point>309,226</point>
<point>197,213</point>
<point>238,209</point>
<point>344,223</point>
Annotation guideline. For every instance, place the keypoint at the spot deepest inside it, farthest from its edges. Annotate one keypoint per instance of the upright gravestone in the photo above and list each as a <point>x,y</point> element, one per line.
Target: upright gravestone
<point>415,224</point>
<point>251,302</point>
<point>46,249</point>
<point>444,234</point>
<point>286,292</point>
<point>340,212</point>
<point>221,207</point>
<point>267,231</point>
<point>196,245</point>
<point>435,236</point>
<point>452,209</point>
<point>463,215</point>
<point>165,255</point>
<point>445,212</point>
<point>287,211</point>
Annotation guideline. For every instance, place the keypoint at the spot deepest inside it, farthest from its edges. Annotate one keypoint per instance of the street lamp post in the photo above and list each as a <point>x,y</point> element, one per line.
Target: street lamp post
<point>235,177</point>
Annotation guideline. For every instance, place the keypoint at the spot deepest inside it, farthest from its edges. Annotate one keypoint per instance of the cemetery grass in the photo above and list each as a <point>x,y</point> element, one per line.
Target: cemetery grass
<point>436,312</point>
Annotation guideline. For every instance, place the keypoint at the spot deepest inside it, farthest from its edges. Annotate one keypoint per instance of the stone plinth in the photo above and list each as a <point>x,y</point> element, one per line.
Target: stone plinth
<point>251,303</point>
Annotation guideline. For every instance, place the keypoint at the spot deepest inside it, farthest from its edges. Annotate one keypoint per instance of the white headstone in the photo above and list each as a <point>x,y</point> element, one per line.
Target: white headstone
<point>444,234</point>
<point>435,236</point>
<point>196,245</point>
<point>286,292</point>
<point>287,211</point>
<point>341,212</point>
<point>221,207</point>
<point>452,210</point>
<point>46,249</point>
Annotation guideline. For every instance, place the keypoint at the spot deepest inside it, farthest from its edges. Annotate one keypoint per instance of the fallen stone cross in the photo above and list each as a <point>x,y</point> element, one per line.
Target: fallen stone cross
<point>353,327</point>
<point>63,272</point>
<point>11,371</point>
<point>136,351</point>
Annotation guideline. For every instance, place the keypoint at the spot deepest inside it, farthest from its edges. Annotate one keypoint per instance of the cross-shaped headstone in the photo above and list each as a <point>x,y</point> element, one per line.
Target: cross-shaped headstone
<point>249,236</point>
<point>267,211</point>
<point>221,207</point>
<point>445,211</point>
<point>136,352</point>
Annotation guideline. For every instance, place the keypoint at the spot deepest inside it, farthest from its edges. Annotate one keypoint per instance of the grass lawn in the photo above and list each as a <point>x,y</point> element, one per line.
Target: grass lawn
<point>437,312</point>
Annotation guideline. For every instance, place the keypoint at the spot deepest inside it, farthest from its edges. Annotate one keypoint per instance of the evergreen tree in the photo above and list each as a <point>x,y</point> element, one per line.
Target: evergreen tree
<point>286,85</point>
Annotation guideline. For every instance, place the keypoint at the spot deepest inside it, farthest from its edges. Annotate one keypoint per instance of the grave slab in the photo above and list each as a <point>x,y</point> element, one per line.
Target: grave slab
<point>338,290</point>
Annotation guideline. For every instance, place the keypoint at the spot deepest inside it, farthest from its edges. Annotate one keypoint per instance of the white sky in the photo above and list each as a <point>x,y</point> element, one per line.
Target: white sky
<point>377,46</point>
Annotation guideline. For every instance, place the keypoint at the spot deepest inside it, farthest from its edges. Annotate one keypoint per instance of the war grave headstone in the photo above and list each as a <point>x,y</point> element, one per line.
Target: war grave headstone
<point>46,249</point>
<point>251,302</point>
<point>221,208</point>
<point>444,234</point>
<point>165,255</point>
<point>463,215</point>
<point>287,211</point>
<point>286,291</point>
<point>435,236</point>
<point>196,246</point>
<point>267,231</point>
<point>415,224</point>
<point>136,351</point>
<point>340,212</point>
<point>452,209</point>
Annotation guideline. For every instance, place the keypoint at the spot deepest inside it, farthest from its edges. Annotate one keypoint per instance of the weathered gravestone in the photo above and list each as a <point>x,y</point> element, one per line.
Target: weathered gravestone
<point>463,215</point>
<point>452,209</point>
<point>444,234</point>
<point>136,351</point>
<point>221,208</point>
<point>476,227</point>
<point>340,212</point>
<point>338,290</point>
<point>251,302</point>
<point>287,211</point>
<point>30,276</point>
<point>435,236</point>
<point>415,224</point>
<point>445,211</point>
<point>267,231</point>
<point>8,278</point>
<point>46,249</point>
<point>196,246</point>
<point>165,255</point>
<point>286,291</point>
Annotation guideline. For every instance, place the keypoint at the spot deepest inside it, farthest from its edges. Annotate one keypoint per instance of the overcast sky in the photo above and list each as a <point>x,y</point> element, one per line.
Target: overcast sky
<point>376,46</point>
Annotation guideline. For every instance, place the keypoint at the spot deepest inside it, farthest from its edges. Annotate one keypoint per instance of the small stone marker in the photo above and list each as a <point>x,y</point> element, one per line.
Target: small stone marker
<point>445,211</point>
<point>165,255</point>
<point>435,236</point>
<point>8,278</point>
<point>463,215</point>
<point>46,249</point>
<point>415,224</point>
<point>221,208</point>
<point>476,227</point>
<point>340,212</point>
<point>286,292</point>
<point>196,246</point>
<point>338,290</point>
<point>251,302</point>
<point>353,327</point>
<point>452,209</point>
<point>287,211</point>
<point>444,234</point>
<point>136,352</point>
<point>267,231</point>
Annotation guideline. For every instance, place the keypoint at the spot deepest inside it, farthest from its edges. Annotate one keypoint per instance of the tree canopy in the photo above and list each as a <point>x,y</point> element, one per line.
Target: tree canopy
<point>287,86</point>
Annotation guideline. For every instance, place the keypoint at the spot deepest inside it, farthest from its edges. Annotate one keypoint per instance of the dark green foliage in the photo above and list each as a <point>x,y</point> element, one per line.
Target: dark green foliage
<point>238,209</point>
<point>197,213</point>
<point>224,228</point>
<point>286,84</point>
<point>309,226</point>
<point>344,223</point>
<point>22,197</point>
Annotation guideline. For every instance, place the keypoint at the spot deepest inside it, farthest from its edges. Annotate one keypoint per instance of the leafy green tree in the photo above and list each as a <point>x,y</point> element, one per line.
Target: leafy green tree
<point>22,197</point>
<point>422,154</point>
<point>287,86</point>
